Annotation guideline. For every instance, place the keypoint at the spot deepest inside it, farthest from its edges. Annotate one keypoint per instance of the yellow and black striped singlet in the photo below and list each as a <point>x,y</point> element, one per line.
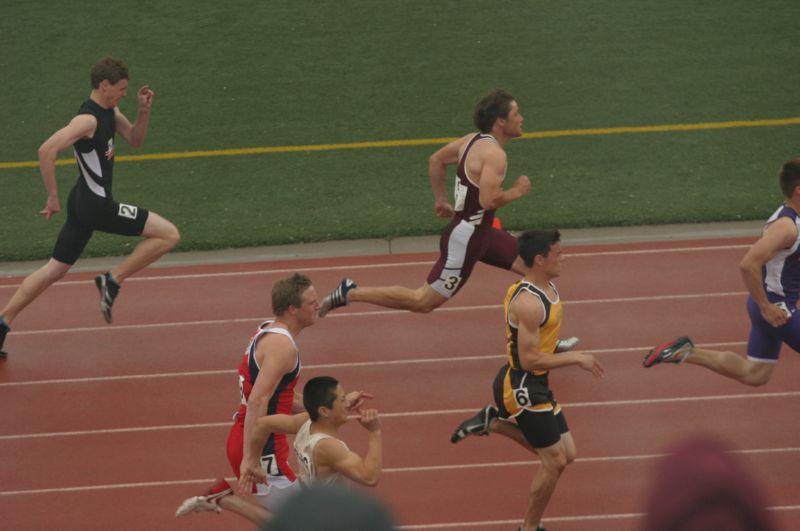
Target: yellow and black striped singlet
<point>515,389</point>
<point>549,328</point>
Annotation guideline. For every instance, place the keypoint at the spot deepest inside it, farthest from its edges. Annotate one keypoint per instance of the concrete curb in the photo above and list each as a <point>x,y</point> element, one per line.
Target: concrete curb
<point>403,245</point>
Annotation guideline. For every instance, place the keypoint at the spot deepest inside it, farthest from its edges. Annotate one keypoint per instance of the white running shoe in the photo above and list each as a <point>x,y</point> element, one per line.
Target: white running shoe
<point>565,345</point>
<point>337,298</point>
<point>208,502</point>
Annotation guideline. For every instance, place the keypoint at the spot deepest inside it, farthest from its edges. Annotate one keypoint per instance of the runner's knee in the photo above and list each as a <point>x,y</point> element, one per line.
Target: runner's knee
<point>756,380</point>
<point>426,300</point>
<point>162,229</point>
<point>173,236</point>
<point>169,235</point>
<point>757,375</point>
<point>555,462</point>
<point>55,271</point>
<point>571,454</point>
<point>424,306</point>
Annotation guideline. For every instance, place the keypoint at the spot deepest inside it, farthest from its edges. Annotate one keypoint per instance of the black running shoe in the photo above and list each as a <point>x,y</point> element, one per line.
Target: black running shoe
<point>109,290</point>
<point>4,330</point>
<point>669,352</point>
<point>476,425</point>
<point>337,298</point>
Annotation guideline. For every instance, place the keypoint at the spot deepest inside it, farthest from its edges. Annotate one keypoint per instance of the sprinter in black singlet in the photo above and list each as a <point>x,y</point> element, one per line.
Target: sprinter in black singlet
<point>91,205</point>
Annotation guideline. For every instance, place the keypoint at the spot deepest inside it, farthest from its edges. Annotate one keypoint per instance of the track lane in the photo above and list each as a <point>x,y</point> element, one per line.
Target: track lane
<point>592,272</point>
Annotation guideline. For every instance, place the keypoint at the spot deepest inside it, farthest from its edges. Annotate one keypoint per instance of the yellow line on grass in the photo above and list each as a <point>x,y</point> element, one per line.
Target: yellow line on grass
<point>666,128</point>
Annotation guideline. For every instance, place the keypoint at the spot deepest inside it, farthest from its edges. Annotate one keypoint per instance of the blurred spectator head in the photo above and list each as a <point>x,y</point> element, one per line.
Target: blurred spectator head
<point>334,508</point>
<point>702,486</point>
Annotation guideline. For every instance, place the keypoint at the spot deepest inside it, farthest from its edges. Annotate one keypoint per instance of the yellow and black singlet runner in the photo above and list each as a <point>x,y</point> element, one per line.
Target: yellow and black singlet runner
<point>515,389</point>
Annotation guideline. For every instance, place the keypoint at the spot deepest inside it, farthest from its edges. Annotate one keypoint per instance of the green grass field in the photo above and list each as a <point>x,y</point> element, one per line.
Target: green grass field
<point>309,73</point>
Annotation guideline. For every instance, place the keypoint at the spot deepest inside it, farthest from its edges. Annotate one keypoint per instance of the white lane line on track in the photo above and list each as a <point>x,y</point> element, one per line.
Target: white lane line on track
<point>443,525</point>
<point>635,402</point>
<point>556,519</point>
<point>343,365</point>
<point>227,274</point>
<point>484,523</point>
<point>396,470</point>
<point>376,313</point>
<point>404,414</point>
<point>283,271</point>
<point>599,459</point>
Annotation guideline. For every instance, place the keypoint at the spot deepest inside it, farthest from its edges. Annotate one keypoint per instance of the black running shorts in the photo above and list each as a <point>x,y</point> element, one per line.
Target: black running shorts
<point>86,213</point>
<point>542,428</point>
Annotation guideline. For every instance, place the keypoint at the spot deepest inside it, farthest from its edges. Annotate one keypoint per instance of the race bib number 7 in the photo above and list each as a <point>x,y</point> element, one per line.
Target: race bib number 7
<point>270,465</point>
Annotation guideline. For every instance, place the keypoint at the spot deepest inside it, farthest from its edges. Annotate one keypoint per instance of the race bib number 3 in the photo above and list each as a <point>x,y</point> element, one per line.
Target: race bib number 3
<point>451,282</point>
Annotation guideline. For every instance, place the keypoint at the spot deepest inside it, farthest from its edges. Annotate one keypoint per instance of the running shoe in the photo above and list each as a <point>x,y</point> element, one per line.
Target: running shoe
<point>476,425</point>
<point>337,298</point>
<point>4,330</point>
<point>206,503</point>
<point>670,352</point>
<point>565,345</point>
<point>109,289</point>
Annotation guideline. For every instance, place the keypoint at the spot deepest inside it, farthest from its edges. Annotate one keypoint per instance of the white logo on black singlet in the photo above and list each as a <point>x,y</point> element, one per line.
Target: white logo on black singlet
<point>128,211</point>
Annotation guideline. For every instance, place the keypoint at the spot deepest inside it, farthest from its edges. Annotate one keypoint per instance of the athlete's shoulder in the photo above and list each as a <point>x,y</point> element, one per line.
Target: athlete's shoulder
<point>529,287</point>
<point>528,296</point>
<point>784,211</point>
<point>330,446</point>
<point>277,348</point>
<point>486,143</point>
<point>513,288</point>
<point>783,214</point>
<point>88,107</point>
<point>490,153</point>
<point>302,436</point>
<point>92,108</point>
<point>780,233</point>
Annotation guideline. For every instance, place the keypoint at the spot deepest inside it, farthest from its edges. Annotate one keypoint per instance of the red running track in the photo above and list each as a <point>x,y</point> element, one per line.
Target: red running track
<point>111,426</point>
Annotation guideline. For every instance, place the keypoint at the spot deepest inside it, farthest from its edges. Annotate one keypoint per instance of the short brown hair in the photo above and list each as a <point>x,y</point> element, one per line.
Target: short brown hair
<point>789,177</point>
<point>496,104</point>
<point>109,68</point>
<point>289,292</point>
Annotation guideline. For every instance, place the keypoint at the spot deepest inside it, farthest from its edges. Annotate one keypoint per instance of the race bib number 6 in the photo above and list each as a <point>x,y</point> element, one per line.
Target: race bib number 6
<point>522,398</point>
